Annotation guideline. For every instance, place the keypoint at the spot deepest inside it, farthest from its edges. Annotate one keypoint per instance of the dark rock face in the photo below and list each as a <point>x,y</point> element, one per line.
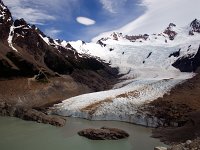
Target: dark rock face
<point>169,113</point>
<point>195,27</point>
<point>30,115</point>
<point>104,134</point>
<point>18,67</point>
<point>25,68</point>
<point>169,31</point>
<point>101,43</point>
<point>136,37</point>
<point>5,21</point>
<point>188,64</point>
<point>175,54</point>
<point>115,36</point>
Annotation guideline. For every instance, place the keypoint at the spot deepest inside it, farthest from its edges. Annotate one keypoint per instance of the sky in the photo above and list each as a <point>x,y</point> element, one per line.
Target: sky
<point>158,15</point>
<point>76,19</point>
<point>90,20</point>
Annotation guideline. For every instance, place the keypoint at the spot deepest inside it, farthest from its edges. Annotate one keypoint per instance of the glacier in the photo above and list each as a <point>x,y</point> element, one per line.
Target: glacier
<point>147,74</point>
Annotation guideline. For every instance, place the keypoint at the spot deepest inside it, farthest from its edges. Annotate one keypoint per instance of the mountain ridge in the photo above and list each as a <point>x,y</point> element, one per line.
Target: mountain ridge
<point>26,45</point>
<point>35,74</point>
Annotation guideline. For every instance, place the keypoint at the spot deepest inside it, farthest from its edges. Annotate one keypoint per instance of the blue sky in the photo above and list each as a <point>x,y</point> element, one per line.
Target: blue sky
<point>58,18</point>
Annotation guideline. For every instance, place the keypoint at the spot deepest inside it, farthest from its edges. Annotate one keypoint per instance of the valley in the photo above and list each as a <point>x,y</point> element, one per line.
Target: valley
<point>119,80</point>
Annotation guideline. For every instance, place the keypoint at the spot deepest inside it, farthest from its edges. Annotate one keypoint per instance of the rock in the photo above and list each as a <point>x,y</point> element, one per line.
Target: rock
<point>177,147</point>
<point>169,31</point>
<point>175,54</point>
<point>101,43</point>
<point>188,142</point>
<point>194,27</point>
<point>136,37</point>
<point>34,115</point>
<point>188,145</point>
<point>104,133</point>
<point>188,63</point>
<point>160,148</point>
<point>30,114</point>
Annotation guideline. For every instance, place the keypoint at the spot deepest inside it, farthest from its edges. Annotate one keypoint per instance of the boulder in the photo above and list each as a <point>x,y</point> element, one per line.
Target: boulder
<point>104,133</point>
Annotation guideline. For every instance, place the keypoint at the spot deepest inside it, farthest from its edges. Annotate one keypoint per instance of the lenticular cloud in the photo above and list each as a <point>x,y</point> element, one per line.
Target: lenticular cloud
<point>85,21</point>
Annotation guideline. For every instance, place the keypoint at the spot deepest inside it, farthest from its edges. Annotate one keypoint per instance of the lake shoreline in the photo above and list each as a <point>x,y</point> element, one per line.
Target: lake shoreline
<point>67,137</point>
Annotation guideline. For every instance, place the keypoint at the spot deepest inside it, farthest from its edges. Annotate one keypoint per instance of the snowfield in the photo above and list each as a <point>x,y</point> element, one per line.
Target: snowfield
<point>148,75</point>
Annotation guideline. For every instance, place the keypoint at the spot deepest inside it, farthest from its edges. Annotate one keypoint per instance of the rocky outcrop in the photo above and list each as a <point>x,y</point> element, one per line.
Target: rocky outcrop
<point>188,63</point>
<point>104,134</point>
<point>194,27</point>
<point>5,21</point>
<point>101,43</point>
<point>188,145</point>
<point>168,113</point>
<point>170,32</point>
<point>133,38</point>
<point>189,130</point>
<point>30,114</point>
<point>175,54</point>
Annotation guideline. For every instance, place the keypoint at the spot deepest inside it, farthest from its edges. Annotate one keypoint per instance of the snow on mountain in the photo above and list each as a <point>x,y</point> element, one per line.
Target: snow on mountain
<point>159,13</point>
<point>145,61</point>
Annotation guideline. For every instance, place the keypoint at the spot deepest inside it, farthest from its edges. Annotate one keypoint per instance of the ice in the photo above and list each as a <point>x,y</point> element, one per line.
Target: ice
<point>10,38</point>
<point>146,77</point>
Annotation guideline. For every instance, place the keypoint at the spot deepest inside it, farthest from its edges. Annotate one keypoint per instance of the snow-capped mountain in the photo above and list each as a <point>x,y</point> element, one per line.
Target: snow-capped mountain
<point>25,51</point>
<point>150,64</point>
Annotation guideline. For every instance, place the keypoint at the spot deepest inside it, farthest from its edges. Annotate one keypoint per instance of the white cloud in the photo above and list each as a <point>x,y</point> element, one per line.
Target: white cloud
<point>85,21</point>
<point>158,14</point>
<point>112,5</point>
<point>41,11</point>
<point>20,9</point>
<point>52,32</point>
<point>162,12</point>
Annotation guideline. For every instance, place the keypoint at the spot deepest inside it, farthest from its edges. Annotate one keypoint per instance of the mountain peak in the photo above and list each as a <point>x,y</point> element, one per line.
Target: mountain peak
<point>171,25</point>
<point>1,2</point>
<point>5,20</point>
<point>3,7</point>
<point>20,22</point>
<point>116,36</point>
<point>4,13</point>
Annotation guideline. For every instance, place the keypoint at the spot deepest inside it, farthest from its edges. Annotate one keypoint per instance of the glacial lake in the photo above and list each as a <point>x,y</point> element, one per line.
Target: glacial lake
<point>16,134</point>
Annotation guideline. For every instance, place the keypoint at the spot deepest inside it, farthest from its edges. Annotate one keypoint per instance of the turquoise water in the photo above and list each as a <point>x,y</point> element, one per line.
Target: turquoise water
<point>16,134</point>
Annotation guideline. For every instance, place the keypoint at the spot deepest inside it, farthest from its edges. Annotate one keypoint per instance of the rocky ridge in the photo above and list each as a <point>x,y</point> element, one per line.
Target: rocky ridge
<point>30,115</point>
